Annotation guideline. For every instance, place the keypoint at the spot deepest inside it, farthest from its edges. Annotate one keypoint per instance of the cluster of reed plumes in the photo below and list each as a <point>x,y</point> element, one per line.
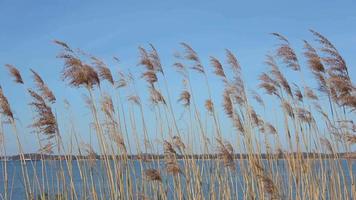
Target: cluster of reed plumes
<point>294,154</point>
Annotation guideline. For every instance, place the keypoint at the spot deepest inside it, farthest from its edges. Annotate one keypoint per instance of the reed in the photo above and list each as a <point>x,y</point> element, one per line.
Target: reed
<point>151,146</point>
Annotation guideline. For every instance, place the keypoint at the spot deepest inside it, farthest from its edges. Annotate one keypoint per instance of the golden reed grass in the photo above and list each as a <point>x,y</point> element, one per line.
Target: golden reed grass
<point>303,150</point>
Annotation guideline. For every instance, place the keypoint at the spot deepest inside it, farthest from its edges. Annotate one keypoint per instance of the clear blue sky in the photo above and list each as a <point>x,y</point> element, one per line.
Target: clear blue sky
<point>117,28</point>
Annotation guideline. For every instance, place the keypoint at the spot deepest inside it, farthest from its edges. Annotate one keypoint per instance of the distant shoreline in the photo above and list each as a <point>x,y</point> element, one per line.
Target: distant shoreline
<point>148,157</point>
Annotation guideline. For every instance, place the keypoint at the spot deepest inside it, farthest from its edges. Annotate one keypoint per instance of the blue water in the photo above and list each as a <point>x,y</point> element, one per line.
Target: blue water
<point>49,172</point>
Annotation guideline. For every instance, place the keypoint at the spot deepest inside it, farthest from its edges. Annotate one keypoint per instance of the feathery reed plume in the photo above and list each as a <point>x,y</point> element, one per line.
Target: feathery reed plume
<point>64,45</point>
<point>333,58</point>
<point>46,149</point>
<point>151,66</point>
<point>226,153</point>
<point>156,96</point>
<point>350,138</point>
<point>145,59</point>
<point>135,99</point>
<point>341,88</point>
<point>278,76</point>
<point>75,71</point>
<point>288,108</point>
<point>314,61</point>
<point>269,186</point>
<point>268,84</point>
<point>170,159</point>
<point>286,53</point>
<point>103,70</point>
<point>120,142</point>
<point>310,93</point>
<point>91,155</point>
<point>325,142</point>
<point>181,69</point>
<point>108,107</point>
<point>191,55</point>
<point>5,106</point>
<point>168,148</point>
<point>1,138</point>
<point>237,122</point>
<point>227,103</point>
<point>255,119</point>
<point>218,68</point>
<point>257,97</point>
<point>238,85</point>
<point>177,141</point>
<point>185,98</point>
<point>43,88</point>
<point>153,175</point>
<point>150,59</point>
<point>155,60</point>
<point>150,77</point>
<point>231,59</point>
<point>209,105</point>
<point>45,121</point>
<point>304,115</point>
<point>122,82</point>
<point>316,66</point>
<point>269,128</point>
<point>298,94</point>
<point>15,73</point>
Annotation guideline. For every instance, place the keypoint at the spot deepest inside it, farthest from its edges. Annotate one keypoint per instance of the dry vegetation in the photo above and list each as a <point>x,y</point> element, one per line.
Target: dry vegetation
<point>313,119</point>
